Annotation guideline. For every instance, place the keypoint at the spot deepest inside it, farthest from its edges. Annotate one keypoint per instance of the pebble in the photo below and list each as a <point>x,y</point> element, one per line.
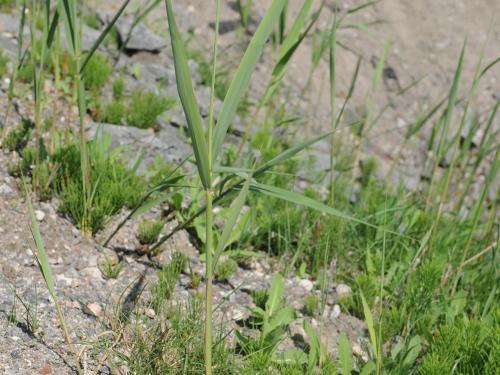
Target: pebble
<point>40,215</point>
<point>343,291</point>
<point>93,309</point>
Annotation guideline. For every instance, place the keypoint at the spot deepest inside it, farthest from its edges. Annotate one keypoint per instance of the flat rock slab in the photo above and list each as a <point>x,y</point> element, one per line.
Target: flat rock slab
<point>141,38</point>
<point>168,142</point>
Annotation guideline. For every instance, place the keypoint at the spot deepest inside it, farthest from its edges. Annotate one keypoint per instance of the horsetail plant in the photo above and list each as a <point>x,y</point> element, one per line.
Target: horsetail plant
<point>207,149</point>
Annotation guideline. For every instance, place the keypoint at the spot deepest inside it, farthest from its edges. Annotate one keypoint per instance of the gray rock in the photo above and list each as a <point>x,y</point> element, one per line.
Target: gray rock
<point>89,37</point>
<point>141,38</point>
<point>167,143</point>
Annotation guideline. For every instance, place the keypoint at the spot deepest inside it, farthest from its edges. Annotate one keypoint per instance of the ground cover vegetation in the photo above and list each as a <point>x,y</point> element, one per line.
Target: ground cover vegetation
<point>422,267</point>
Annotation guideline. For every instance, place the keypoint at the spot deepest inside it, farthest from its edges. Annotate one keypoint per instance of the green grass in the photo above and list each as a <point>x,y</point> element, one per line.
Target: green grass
<point>149,230</point>
<point>145,107</point>
<point>4,60</point>
<point>113,184</point>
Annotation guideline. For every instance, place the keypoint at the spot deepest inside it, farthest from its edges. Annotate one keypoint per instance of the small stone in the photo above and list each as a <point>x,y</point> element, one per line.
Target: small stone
<point>150,313</point>
<point>336,311</point>
<point>93,309</point>
<point>343,291</point>
<point>5,189</point>
<point>40,215</point>
<point>306,284</point>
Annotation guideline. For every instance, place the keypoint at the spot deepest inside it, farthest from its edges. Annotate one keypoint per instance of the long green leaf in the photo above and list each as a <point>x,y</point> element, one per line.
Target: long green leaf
<point>369,322</point>
<point>234,212</point>
<point>103,35</point>
<point>290,44</point>
<point>240,82</point>
<point>300,199</point>
<point>67,9</point>
<point>188,99</point>
<point>315,346</point>
<point>40,254</point>
<point>275,294</point>
<point>288,153</point>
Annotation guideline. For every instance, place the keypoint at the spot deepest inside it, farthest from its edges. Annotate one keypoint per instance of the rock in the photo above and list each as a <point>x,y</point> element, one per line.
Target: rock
<point>167,142</point>
<point>89,37</point>
<point>343,291</point>
<point>93,309</point>
<point>6,190</point>
<point>141,38</point>
<point>40,215</point>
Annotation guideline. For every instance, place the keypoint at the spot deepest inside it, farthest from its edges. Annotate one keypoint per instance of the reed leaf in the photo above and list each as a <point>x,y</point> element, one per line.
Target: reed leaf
<point>240,82</point>
<point>188,99</point>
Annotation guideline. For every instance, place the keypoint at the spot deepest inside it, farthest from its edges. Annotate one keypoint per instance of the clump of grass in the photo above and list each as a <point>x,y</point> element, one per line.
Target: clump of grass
<point>4,60</point>
<point>91,20</point>
<point>97,72</point>
<point>311,304</point>
<point>225,269</point>
<point>110,268</point>
<point>149,230</point>
<point>466,347</point>
<point>167,279</point>
<point>17,138</point>
<point>113,112</point>
<point>118,88</point>
<point>145,107</point>
<point>113,185</point>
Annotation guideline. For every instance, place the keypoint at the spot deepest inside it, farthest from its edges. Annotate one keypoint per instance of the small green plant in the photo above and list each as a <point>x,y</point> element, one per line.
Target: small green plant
<point>145,107</point>
<point>111,268</point>
<point>259,297</point>
<point>311,304</point>
<point>149,230</point>
<point>97,72</point>
<point>17,138</point>
<point>114,185</point>
<point>195,279</point>
<point>225,269</point>
<point>167,279</point>
<point>118,88</point>
<point>4,60</point>
<point>91,20</point>
<point>113,112</point>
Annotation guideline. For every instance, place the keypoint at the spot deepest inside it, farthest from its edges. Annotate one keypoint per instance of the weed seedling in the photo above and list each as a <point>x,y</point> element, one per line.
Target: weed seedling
<point>225,269</point>
<point>149,230</point>
<point>311,304</point>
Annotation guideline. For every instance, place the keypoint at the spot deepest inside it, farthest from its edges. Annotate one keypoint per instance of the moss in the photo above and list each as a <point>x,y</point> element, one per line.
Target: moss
<point>145,107</point>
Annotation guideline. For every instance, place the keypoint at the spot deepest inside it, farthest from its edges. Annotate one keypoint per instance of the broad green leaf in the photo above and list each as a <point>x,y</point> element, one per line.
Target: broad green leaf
<point>188,100</point>
<point>240,82</point>
<point>369,322</point>
<point>369,368</point>
<point>282,317</point>
<point>414,348</point>
<point>103,35</point>
<point>315,346</point>
<point>345,354</point>
<point>275,294</point>
<point>234,212</point>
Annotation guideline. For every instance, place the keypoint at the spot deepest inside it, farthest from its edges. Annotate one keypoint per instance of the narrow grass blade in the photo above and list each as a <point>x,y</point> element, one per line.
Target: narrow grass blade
<point>67,9</point>
<point>243,74</point>
<point>288,153</point>
<point>290,44</point>
<point>369,322</point>
<point>300,199</point>
<point>103,35</point>
<point>188,100</point>
<point>40,254</point>
<point>234,212</point>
